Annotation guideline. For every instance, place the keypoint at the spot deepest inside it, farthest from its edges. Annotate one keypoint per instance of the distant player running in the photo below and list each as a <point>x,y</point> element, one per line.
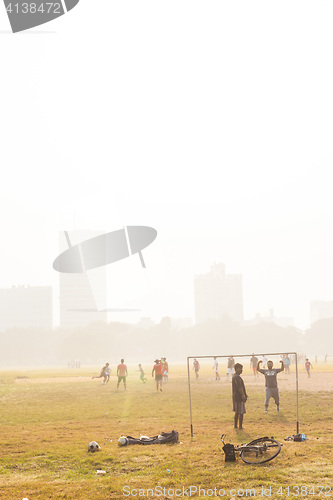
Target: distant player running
<point>253,364</point>
<point>271,386</point>
<point>216,368</point>
<point>308,365</point>
<point>196,368</point>
<point>231,365</point>
<point>104,373</point>
<point>287,364</point>
<point>107,374</point>
<point>166,370</point>
<point>264,361</point>
<point>142,374</point>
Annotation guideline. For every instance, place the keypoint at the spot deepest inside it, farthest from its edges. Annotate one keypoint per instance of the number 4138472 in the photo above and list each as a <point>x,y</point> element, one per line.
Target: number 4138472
<point>33,8</point>
<point>303,491</point>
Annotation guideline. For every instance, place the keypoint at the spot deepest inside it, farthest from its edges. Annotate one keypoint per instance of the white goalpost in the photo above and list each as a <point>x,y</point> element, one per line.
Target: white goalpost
<point>241,356</point>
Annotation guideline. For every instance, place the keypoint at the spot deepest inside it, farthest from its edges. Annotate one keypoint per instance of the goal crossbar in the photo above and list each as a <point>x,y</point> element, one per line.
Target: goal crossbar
<point>241,356</point>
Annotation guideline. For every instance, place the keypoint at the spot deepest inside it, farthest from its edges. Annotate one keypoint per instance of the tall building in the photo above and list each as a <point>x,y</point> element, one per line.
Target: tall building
<point>26,307</point>
<point>320,309</point>
<point>218,293</point>
<point>82,295</point>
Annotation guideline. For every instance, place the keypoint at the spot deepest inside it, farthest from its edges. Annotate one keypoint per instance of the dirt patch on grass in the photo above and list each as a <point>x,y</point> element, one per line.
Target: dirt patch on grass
<point>59,380</point>
<point>315,383</point>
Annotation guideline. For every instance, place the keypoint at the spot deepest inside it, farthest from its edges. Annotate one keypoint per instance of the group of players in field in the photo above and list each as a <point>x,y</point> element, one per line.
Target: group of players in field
<point>230,367</point>
<point>160,370</point>
<point>287,360</point>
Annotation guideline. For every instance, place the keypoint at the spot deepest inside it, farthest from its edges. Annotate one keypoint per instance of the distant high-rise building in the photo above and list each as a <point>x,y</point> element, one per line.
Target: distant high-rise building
<point>320,309</point>
<point>82,296</point>
<point>26,307</point>
<point>218,293</point>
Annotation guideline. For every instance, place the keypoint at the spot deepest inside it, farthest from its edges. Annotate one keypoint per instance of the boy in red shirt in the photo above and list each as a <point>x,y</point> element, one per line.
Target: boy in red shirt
<point>158,374</point>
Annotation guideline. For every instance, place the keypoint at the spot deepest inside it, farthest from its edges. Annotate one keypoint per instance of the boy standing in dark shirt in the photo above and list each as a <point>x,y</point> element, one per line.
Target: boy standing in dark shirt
<point>239,396</point>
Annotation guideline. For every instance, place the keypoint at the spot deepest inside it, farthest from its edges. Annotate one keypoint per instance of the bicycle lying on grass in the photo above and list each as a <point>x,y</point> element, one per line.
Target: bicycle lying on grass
<point>258,451</point>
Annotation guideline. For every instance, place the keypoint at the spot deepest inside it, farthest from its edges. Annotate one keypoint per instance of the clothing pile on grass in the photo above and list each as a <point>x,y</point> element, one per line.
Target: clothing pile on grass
<point>163,438</point>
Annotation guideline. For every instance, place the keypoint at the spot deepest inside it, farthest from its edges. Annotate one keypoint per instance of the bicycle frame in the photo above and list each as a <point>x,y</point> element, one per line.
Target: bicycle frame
<point>258,451</point>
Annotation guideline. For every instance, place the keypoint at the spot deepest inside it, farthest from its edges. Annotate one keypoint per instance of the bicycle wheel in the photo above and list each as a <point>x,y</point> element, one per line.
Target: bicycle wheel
<point>260,450</point>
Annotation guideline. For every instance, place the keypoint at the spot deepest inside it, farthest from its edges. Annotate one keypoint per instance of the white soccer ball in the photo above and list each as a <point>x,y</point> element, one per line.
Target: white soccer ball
<point>122,441</point>
<point>93,446</point>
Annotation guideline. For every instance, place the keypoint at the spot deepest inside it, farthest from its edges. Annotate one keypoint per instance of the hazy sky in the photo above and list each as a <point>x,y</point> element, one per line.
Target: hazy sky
<point>210,121</point>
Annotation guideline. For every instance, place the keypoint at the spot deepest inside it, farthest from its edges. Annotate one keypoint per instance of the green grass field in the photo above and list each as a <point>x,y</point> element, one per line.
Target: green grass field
<point>49,417</point>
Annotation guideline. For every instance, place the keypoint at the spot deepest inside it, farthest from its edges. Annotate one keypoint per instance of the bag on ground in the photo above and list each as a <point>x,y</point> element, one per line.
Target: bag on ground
<point>164,437</point>
<point>229,452</point>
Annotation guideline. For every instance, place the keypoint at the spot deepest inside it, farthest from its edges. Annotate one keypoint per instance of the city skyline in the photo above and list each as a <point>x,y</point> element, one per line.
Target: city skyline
<point>317,309</point>
<point>240,173</point>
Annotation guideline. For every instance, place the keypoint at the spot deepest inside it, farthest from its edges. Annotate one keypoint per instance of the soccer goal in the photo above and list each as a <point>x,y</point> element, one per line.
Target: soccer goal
<point>291,355</point>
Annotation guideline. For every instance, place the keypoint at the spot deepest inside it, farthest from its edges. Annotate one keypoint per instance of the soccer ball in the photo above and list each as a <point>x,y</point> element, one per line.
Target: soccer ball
<point>93,446</point>
<point>122,441</point>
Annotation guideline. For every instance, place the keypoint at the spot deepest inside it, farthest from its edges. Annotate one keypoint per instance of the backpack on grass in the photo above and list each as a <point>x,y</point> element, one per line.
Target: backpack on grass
<point>229,452</point>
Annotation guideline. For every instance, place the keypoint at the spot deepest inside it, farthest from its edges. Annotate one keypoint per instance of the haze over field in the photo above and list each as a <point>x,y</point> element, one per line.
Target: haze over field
<point>100,343</point>
<point>209,122</point>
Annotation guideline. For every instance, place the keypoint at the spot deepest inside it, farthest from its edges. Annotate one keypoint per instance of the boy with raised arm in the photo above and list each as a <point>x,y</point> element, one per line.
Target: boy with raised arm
<point>271,387</point>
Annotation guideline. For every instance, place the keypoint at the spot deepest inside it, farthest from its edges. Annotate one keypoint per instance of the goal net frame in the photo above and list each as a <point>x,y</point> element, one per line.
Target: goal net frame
<point>241,356</point>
